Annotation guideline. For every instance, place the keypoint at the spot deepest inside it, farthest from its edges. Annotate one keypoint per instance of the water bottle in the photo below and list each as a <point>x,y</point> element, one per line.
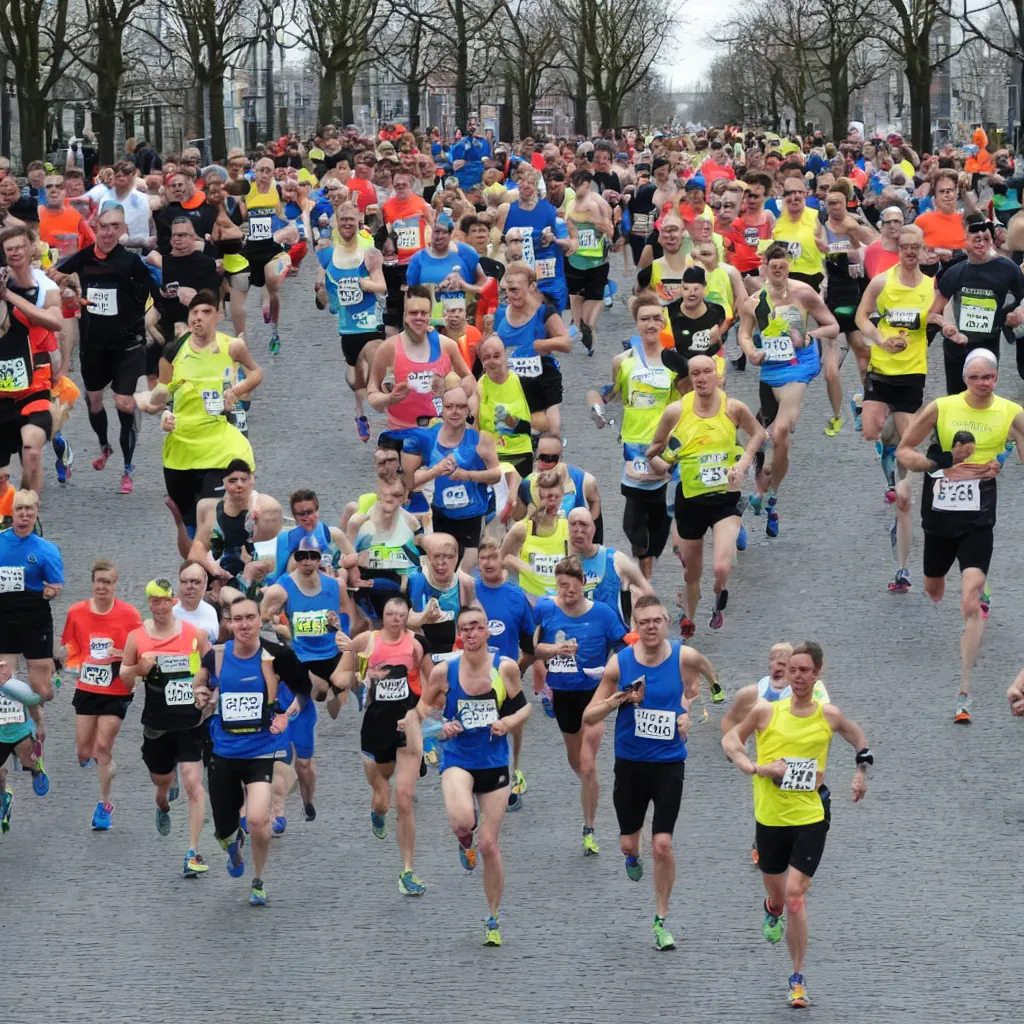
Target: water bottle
<point>545,701</point>
<point>560,637</point>
<point>225,384</point>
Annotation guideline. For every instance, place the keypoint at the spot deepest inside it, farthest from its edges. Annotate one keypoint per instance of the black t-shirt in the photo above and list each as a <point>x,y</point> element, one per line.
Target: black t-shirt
<point>116,287</point>
<point>641,209</point>
<point>196,271</point>
<point>979,292</point>
<point>606,181</point>
<point>693,334</point>
<point>203,218</point>
<point>25,209</point>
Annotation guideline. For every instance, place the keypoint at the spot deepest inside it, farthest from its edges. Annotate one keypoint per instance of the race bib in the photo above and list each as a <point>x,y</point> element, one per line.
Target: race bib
<point>100,648</point>
<point>714,476</point>
<point>778,348</point>
<point>391,689</point>
<point>174,664</point>
<point>546,267</point>
<point>14,374</point>
<point>102,301</point>
<point>563,664</point>
<point>795,249</point>
<point>587,238</point>
<point>241,420</point>
<point>421,381</point>
<point>455,497</point>
<point>751,237</point>
<point>838,246</point>
<point>438,404</point>
<point>11,712</point>
<point>956,495</point>
<point>903,319</point>
<point>801,775</point>
<point>977,315</point>
<point>641,223</point>
<point>408,238</point>
<point>544,565</point>
<point>213,400</point>
<point>651,724</point>
<point>637,467</point>
<point>12,579</point>
<point>388,558</point>
<point>477,714</point>
<point>525,366</point>
<point>260,228</point>
<point>178,693</point>
<point>309,623</point>
<point>701,341</point>
<point>96,675</point>
<point>241,707</point>
<point>643,400</point>
<point>529,254</point>
<point>349,292</point>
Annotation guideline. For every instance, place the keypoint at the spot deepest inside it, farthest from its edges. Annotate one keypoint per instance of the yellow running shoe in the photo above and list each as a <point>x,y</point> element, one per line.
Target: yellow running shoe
<point>493,935</point>
<point>519,786</point>
<point>590,847</point>
<point>835,424</point>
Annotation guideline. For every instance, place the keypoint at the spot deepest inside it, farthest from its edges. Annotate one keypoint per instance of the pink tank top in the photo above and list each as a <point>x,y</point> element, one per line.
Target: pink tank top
<point>420,401</point>
<point>401,653</point>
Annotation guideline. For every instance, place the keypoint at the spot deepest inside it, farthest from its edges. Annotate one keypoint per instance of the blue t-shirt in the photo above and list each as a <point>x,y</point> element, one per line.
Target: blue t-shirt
<point>509,615</point>
<point>26,564</point>
<point>472,149</point>
<point>597,633</point>
<point>425,268</point>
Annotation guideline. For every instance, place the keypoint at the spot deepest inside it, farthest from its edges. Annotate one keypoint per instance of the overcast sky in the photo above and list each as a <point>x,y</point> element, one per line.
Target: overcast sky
<point>688,59</point>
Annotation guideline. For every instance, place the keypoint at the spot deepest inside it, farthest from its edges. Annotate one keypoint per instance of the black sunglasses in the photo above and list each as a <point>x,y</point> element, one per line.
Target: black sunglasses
<point>307,556</point>
<point>541,457</point>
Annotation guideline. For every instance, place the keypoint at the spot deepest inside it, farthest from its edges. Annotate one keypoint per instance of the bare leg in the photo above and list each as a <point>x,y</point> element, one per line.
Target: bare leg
<point>257,801</point>
<point>972,583</point>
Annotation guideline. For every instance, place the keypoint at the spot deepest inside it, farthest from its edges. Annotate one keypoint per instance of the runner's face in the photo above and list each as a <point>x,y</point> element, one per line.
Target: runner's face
<point>182,239</point>
<point>493,359</point>
<point>945,196</point>
<point>215,192</point>
<point>348,225</point>
<point>417,315</point>
<point>704,377</point>
<point>264,176</point>
<point>395,616</point>
<point>570,589</point>
<point>16,252</point>
<point>24,517</point>
<point>517,290</point>
<point>305,513</point>
<point>390,498</point>
<point>245,621</point>
<point>489,560</point>
<point>550,499</point>
<point>403,186</point>
<point>777,665</point>
<point>109,229</point>
<point>695,197</point>
<point>671,237</point>
<point>794,194</point>
<point>202,320</point>
<point>479,237</point>
<point>442,560</point>
<point>581,531</point>
<point>56,193</point>
<point>122,182</point>
<point>778,271</point>
<point>161,609</point>
<point>979,243</point>
<point>455,408</point>
<point>103,583</point>
<point>455,318</point>
<point>910,253</point>
<point>527,187</point>
<point>801,674</point>
<point>649,322</point>
<point>180,188</point>
<point>473,631</point>
<point>9,192</point>
<point>693,294</point>
<point>836,206</point>
<point>191,587</point>
<point>753,198</point>
<point>440,239</point>
<point>652,625</point>
<point>238,486</point>
<point>981,379</point>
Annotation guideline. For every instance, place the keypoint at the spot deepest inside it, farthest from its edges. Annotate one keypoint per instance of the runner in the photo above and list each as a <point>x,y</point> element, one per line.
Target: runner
<point>958,505</point>
<point>61,226</point>
<point>193,579</point>
<point>793,739</point>
<point>94,636</point>
<point>537,544</point>
<point>390,738</point>
<point>712,467</point>
<point>802,232</point>
<point>449,270</point>
<point>651,685</point>
<point>504,411</point>
<point>336,548</point>
<point>165,655</point>
<point>695,325</point>
<point>575,636</point>
<point>591,230</point>
<point>437,590</point>
<point>579,486</point>
<point>481,698</point>
<point>21,734</point>
<point>408,221</point>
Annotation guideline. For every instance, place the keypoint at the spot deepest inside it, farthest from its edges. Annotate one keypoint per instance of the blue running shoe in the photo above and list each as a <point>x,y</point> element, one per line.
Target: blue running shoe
<point>40,782</point>
<point>741,539</point>
<point>771,528</point>
<point>755,503</point>
<point>88,763</point>
<point>855,408</point>
<point>634,869</point>
<point>163,822</point>
<point>410,885</point>
<point>101,819</point>
<point>236,864</point>
<point>363,428</point>
<point>545,702</point>
<point>6,804</point>
<point>361,696</point>
<point>379,825</point>
<point>257,895</point>
<point>467,858</point>
<point>278,826</point>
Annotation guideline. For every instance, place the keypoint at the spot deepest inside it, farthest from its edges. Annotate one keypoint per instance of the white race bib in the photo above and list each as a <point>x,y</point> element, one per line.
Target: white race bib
<point>312,623</point>
<point>14,374</point>
<point>178,693</point>
<point>778,349</point>
<point>638,467</point>
<point>407,238</point>
<point>956,495</point>
<point>102,301</point>
<point>641,223</point>
<point>477,714</point>
<point>700,341</point>
<point>908,319</point>
<point>455,497</point>
<point>525,366</point>
<point>12,579</point>
<point>241,419</point>
<point>795,249</point>
<point>714,476</point>
<point>564,664</point>
<point>801,775</point>
<point>11,712</point>
<point>100,648</point>
<point>544,565</point>
<point>349,292</point>
<point>96,675</point>
<point>587,238</point>
<point>391,689</point>
<point>421,381</point>
<point>260,227</point>
<point>529,254</point>
<point>241,707</point>
<point>977,315</point>
<point>173,664</point>
<point>840,245</point>
<point>546,267</point>
<point>213,400</point>
<point>651,724</point>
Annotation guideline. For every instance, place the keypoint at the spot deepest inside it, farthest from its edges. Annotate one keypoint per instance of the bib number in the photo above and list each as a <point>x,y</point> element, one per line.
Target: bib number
<point>178,693</point>
<point>544,565</point>
<point>546,268</point>
<point>12,579</point>
<point>778,349</point>
<point>14,374</point>
<point>956,495</point>
<point>903,319</point>
<point>96,675</point>
<point>241,707</point>
<point>260,229</point>
<point>525,366</point>
<point>408,238</point>
<point>102,301</point>
<point>391,689</point>
<point>651,724</point>
<point>174,664</point>
<point>349,292</point>
<point>100,648</point>
<point>455,497</point>
<point>714,476</point>
<point>310,623</point>
<point>839,246</point>
<point>638,467</point>
<point>421,381</point>
<point>477,714</point>
<point>587,238</point>
<point>801,775</point>
<point>563,664</point>
<point>795,249</point>
<point>977,316</point>
<point>213,400</point>
<point>11,712</point>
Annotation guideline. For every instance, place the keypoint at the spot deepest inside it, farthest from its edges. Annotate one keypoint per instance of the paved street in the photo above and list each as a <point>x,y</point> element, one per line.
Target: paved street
<point>916,912</point>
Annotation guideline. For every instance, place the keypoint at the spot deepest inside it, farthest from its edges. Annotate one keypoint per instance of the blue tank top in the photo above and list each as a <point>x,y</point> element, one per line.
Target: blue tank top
<point>293,215</point>
<point>648,732</point>
<point>601,580</point>
<point>457,499</point>
<point>475,747</point>
<point>307,618</point>
<point>544,259</point>
<point>356,309</point>
<point>521,339</point>
<point>288,544</point>
<point>241,726</point>
<point>440,635</point>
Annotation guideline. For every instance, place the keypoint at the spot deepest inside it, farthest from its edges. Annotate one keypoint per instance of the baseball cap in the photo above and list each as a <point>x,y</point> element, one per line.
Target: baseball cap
<point>309,543</point>
<point>695,182</point>
<point>160,587</point>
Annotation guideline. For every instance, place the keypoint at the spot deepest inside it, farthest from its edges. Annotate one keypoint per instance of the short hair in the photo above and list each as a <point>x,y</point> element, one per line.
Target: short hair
<point>115,208</point>
<point>401,599</point>
<point>647,297</point>
<point>776,251</point>
<point>570,566</point>
<point>419,291</point>
<point>102,565</point>
<point>26,496</point>
<point>204,297</point>
<point>124,167</point>
<point>523,270</point>
<point>303,494</point>
<point>550,478</point>
<point>183,220</point>
<point>17,231</point>
<point>813,650</point>
<point>237,466</point>
<point>72,172</point>
<point>781,648</point>
<point>759,178</point>
<point>648,601</point>
<point>580,177</point>
<point>474,608</point>
<point>946,172</point>
<point>188,563</point>
<point>488,543</point>
<point>35,165</point>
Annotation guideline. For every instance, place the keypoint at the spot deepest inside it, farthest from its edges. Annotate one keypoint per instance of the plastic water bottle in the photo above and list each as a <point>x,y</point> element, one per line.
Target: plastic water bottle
<point>223,390</point>
<point>545,702</point>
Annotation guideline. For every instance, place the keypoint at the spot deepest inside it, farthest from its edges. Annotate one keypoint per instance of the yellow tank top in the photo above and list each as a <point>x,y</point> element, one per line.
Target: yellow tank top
<point>719,289</point>
<point>256,200</point>
<point>542,554</point>
<point>665,280</point>
<point>795,739</point>
<point>990,426</point>
<point>261,207</point>
<point>202,437</point>
<point>904,313</point>
<point>706,448</point>
<point>804,255</point>
<point>510,395</point>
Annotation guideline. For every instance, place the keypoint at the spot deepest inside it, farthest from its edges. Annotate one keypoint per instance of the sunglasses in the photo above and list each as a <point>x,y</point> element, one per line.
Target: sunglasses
<point>793,192</point>
<point>541,457</point>
<point>302,513</point>
<point>307,556</point>
<point>893,221</point>
<point>976,229</point>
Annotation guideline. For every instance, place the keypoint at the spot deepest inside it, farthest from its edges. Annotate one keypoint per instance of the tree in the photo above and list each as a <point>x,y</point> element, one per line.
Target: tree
<point>529,39</point>
<point>34,35</point>
<point>464,21</point>
<point>1003,32</point>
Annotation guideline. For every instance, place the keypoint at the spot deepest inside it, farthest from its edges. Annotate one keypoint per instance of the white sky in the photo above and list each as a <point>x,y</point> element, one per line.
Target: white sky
<point>686,61</point>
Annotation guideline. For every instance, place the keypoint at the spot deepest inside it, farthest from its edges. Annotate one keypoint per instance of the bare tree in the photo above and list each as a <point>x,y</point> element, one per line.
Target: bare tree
<point>1003,30</point>
<point>464,21</point>
<point>529,38</point>
<point>35,37</point>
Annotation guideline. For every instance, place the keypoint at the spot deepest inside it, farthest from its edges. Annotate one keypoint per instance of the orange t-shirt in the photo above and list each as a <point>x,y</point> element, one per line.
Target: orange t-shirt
<point>941,230</point>
<point>66,231</point>
<point>468,343</point>
<point>95,644</point>
<point>407,219</point>
<point>7,502</point>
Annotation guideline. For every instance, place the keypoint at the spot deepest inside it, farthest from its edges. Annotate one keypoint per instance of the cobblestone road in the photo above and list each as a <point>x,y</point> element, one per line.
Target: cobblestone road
<point>915,915</point>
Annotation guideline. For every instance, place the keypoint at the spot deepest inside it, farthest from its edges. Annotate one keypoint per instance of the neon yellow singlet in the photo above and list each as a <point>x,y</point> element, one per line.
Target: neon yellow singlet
<point>707,448</point>
<point>990,426</point>
<point>804,254</point>
<point>510,395</point>
<point>645,390</point>
<point>542,554</point>
<point>904,313</point>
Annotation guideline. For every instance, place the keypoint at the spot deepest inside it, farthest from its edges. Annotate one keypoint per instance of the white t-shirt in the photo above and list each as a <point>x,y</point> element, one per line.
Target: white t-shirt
<point>136,208</point>
<point>204,617</point>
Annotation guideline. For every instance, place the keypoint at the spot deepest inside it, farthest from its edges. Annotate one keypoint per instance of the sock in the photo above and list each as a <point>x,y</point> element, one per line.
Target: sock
<point>771,496</point>
<point>128,435</point>
<point>98,422</point>
<point>588,830</point>
<point>771,910</point>
<point>466,841</point>
<point>59,444</point>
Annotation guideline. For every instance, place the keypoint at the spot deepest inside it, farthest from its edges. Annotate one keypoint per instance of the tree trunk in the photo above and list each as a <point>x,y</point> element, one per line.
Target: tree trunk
<point>604,105</point>
<point>412,98</point>
<point>525,109</point>
<point>461,68</point>
<point>328,94</point>
<point>506,123</point>
<point>104,114</point>
<point>198,118</point>
<point>919,80</point>
<point>5,111</point>
<point>218,142</point>
<point>840,98</point>
<point>580,97</point>
<point>269,84</point>
<point>31,126</point>
<point>347,81</point>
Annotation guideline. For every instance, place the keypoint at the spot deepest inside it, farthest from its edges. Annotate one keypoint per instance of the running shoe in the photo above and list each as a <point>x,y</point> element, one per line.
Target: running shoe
<point>6,804</point>
<point>590,847</point>
<point>257,894</point>
<point>515,803</point>
<point>755,857</point>
<point>243,824</point>
<point>890,496</point>
<point>101,819</point>
<point>835,424</point>
<point>985,601</point>
<point>519,786</point>
<point>40,782</point>
<point>771,528</point>
<point>493,936</point>
<point>163,822</point>
<point>467,858</point>
<point>126,480</point>
<point>662,937</point>
<point>772,927</point>
<point>545,702</point>
<point>379,825</point>
<point>963,709</point>
<point>309,811</point>
<point>278,825</point>
<point>797,993</point>
<point>275,341</point>
<point>587,336</point>
<point>87,763</point>
<point>194,865</point>
<point>363,428</point>
<point>65,457</point>
<point>236,864</point>
<point>740,364</point>
<point>634,869</point>
<point>741,539</point>
<point>101,462</point>
<point>686,627</point>
<point>718,616</point>
<point>717,693</point>
<point>901,584</point>
<point>410,885</point>
<point>855,404</point>
<point>175,791</point>
<point>755,501</point>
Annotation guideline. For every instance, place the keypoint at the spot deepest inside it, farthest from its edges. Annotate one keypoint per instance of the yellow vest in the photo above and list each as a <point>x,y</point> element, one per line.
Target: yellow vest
<point>542,554</point>
<point>990,426</point>
<point>706,448</point>
<point>904,310</point>
<point>804,255</point>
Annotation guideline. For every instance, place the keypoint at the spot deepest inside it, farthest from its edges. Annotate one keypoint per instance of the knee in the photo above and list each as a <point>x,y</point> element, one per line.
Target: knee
<point>781,433</point>
<point>723,566</point>
<point>102,750</point>
<point>795,902</point>
<point>42,683</point>
<point>935,589</point>
<point>629,845</point>
<point>258,821</point>
<point>970,606</point>
<point>403,800</point>
<point>193,784</point>
<point>661,845</point>
<point>488,846</point>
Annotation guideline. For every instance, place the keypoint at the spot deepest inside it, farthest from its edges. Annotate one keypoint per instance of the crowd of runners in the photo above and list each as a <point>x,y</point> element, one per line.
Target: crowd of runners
<point>472,557</point>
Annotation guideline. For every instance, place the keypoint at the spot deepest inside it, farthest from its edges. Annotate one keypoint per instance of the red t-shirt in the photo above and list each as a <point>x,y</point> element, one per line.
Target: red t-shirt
<point>366,194</point>
<point>878,260</point>
<point>95,645</point>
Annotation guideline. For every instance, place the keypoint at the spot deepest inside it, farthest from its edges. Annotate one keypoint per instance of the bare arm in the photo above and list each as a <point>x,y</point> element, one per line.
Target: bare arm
<point>607,697</point>
<point>917,430</point>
